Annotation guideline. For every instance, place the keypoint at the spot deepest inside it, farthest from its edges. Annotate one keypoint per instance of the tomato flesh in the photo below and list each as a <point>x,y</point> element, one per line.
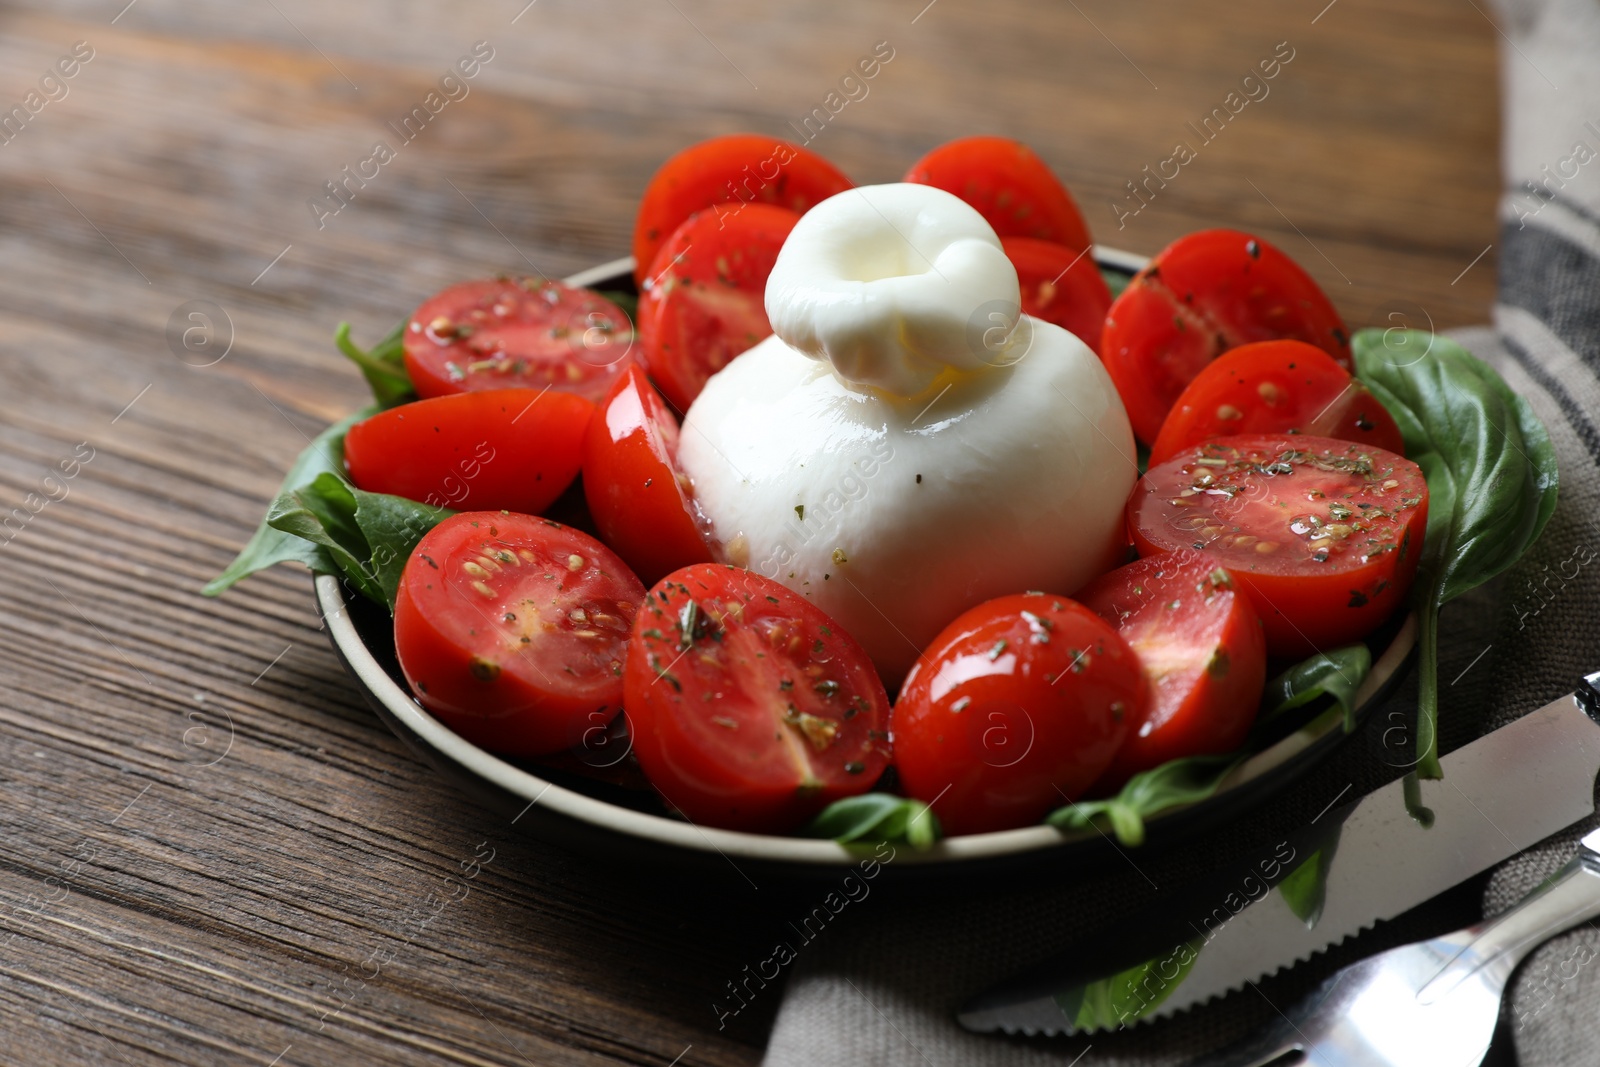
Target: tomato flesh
<point>1324,536</point>
<point>1016,708</point>
<point>748,707</point>
<point>1010,186</point>
<point>1200,296</point>
<point>531,332</point>
<point>636,495</point>
<point>514,630</point>
<point>1276,387</point>
<point>1060,286</point>
<point>704,301</point>
<point>511,449</point>
<point>739,169</point>
<point>1202,649</point>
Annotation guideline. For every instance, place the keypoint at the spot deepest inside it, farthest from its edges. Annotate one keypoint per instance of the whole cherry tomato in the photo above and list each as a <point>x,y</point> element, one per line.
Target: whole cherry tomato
<point>1017,708</point>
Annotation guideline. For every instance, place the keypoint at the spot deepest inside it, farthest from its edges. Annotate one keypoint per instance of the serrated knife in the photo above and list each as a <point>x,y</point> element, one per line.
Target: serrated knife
<point>1355,865</point>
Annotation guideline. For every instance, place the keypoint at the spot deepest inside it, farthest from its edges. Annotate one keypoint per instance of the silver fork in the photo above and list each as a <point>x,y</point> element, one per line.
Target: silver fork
<point>1431,1004</point>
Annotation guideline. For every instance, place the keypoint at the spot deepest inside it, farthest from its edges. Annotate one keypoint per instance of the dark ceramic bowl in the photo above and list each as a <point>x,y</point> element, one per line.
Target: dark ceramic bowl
<point>593,811</point>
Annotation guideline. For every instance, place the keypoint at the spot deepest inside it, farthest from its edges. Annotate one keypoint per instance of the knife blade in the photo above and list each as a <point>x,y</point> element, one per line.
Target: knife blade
<point>1353,866</point>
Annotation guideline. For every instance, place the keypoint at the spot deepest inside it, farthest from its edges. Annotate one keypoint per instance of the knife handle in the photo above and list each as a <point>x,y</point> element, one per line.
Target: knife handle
<point>1569,897</point>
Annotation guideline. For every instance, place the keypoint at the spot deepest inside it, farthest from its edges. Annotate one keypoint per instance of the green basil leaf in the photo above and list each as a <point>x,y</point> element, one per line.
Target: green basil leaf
<point>268,546</point>
<point>1116,280</point>
<point>393,526</point>
<point>1112,1003</point>
<point>1171,785</point>
<point>369,536</point>
<point>1305,891</point>
<point>324,513</point>
<point>877,817</point>
<point>383,365</point>
<point>1337,674</point>
<point>1492,480</point>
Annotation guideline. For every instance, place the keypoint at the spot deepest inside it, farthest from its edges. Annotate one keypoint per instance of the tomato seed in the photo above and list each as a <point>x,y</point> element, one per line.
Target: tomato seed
<point>485,589</point>
<point>1266,547</point>
<point>574,562</point>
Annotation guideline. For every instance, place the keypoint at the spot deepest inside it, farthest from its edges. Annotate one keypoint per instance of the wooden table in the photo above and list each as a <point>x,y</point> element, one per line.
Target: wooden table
<point>214,853</point>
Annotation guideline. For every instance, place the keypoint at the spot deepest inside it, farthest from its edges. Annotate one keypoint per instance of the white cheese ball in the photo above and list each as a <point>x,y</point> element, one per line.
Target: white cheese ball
<point>895,514</point>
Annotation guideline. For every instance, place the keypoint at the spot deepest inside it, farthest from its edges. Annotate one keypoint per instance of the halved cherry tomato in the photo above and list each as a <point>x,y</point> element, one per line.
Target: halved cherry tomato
<point>1323,535</point>
<point>750,709</point>
<point>1276,387</point>
<point>630,476</point>
<point>513,630</point>
<point>1010,186</point>
<point>1200,644</point>
<point>738,169</point>
<point>703,303</point>
<point>516,449</point>
<point>1016,708</point>
<point>503,332</point>
<point>1060,286</point>
<point>1200,296</point>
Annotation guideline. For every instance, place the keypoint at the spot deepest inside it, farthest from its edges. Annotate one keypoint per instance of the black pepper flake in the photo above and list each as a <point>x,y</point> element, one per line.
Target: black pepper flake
<point>800,510</point>
<point>854,767</point>
<point>1358,599</point>
<point>999,647</point>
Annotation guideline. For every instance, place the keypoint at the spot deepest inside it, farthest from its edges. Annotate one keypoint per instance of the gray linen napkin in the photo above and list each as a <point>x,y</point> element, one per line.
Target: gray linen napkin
<point>881,986</point>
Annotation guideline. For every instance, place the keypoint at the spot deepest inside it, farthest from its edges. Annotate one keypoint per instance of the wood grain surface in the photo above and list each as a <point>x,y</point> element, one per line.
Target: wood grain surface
<point>213,852</point>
